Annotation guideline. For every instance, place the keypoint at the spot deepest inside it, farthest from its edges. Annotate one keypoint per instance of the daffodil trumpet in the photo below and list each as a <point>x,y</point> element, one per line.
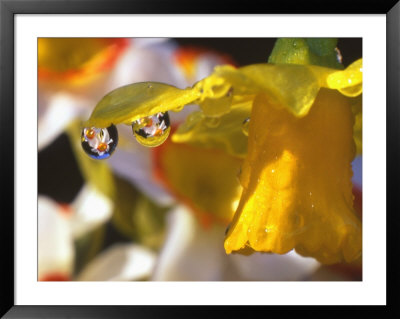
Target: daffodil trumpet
<point>296,178</point>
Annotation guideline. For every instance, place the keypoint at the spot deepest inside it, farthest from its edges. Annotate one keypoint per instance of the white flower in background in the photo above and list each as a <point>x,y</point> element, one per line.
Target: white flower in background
<point>61,224</point>
<point>121,262</point>
<point>192,253</point>
<point>55,241</point>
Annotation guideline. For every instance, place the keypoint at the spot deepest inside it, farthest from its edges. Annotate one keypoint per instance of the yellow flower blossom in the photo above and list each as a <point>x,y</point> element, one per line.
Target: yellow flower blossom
<point>296,174</point>
<point>297,182</point>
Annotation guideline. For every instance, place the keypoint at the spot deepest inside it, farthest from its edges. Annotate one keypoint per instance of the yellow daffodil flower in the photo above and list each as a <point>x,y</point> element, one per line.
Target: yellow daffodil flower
<point>297,182</point>
<point>296,173</point>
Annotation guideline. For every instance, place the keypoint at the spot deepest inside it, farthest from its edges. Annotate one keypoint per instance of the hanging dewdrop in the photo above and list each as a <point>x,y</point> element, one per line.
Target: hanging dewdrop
<point>151,131</point>
<point>99,143</point>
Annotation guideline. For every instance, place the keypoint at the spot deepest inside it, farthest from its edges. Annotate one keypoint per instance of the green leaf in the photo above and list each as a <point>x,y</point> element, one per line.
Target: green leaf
<point>314,51</point>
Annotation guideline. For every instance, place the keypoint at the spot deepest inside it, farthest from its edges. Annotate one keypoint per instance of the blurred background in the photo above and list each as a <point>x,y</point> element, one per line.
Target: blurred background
<point>144,232</point>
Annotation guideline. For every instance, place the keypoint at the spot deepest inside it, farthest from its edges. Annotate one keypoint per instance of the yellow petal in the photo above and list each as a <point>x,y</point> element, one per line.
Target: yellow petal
<point>224,133</point>
<point>132,102</point>
<point>348,81</point>
<point>356,107</point>
<point>297,182</point>
<point>216,97</point>
<point>293,87</point>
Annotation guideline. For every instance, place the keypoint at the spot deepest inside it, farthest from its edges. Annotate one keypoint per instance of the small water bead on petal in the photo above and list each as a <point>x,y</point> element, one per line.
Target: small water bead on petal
<point>153,130</point>
<point>245,126</point>
<point>99,143</point>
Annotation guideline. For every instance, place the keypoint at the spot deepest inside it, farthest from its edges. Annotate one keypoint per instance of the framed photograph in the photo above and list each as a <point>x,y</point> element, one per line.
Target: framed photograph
<point>156,155</point>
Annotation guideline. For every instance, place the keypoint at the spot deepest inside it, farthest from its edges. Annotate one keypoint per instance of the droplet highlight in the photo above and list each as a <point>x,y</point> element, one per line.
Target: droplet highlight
<point>245,126</point>
<point>152,131</point>
<point>99,143</point>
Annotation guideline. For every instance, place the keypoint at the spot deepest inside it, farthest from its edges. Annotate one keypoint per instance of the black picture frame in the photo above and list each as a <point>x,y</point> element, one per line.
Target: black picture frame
<point>8,10</point>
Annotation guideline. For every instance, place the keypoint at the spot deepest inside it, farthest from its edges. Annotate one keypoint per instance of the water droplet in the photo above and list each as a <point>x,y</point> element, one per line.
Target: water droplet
<point>212,121</point>
<point>152,130</point>
<point>245,126</point>
<point>99,143</point>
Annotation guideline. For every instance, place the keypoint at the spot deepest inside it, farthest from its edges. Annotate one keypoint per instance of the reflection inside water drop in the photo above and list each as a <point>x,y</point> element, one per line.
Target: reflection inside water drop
<point>152,130</point>
<point>99,143</point>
